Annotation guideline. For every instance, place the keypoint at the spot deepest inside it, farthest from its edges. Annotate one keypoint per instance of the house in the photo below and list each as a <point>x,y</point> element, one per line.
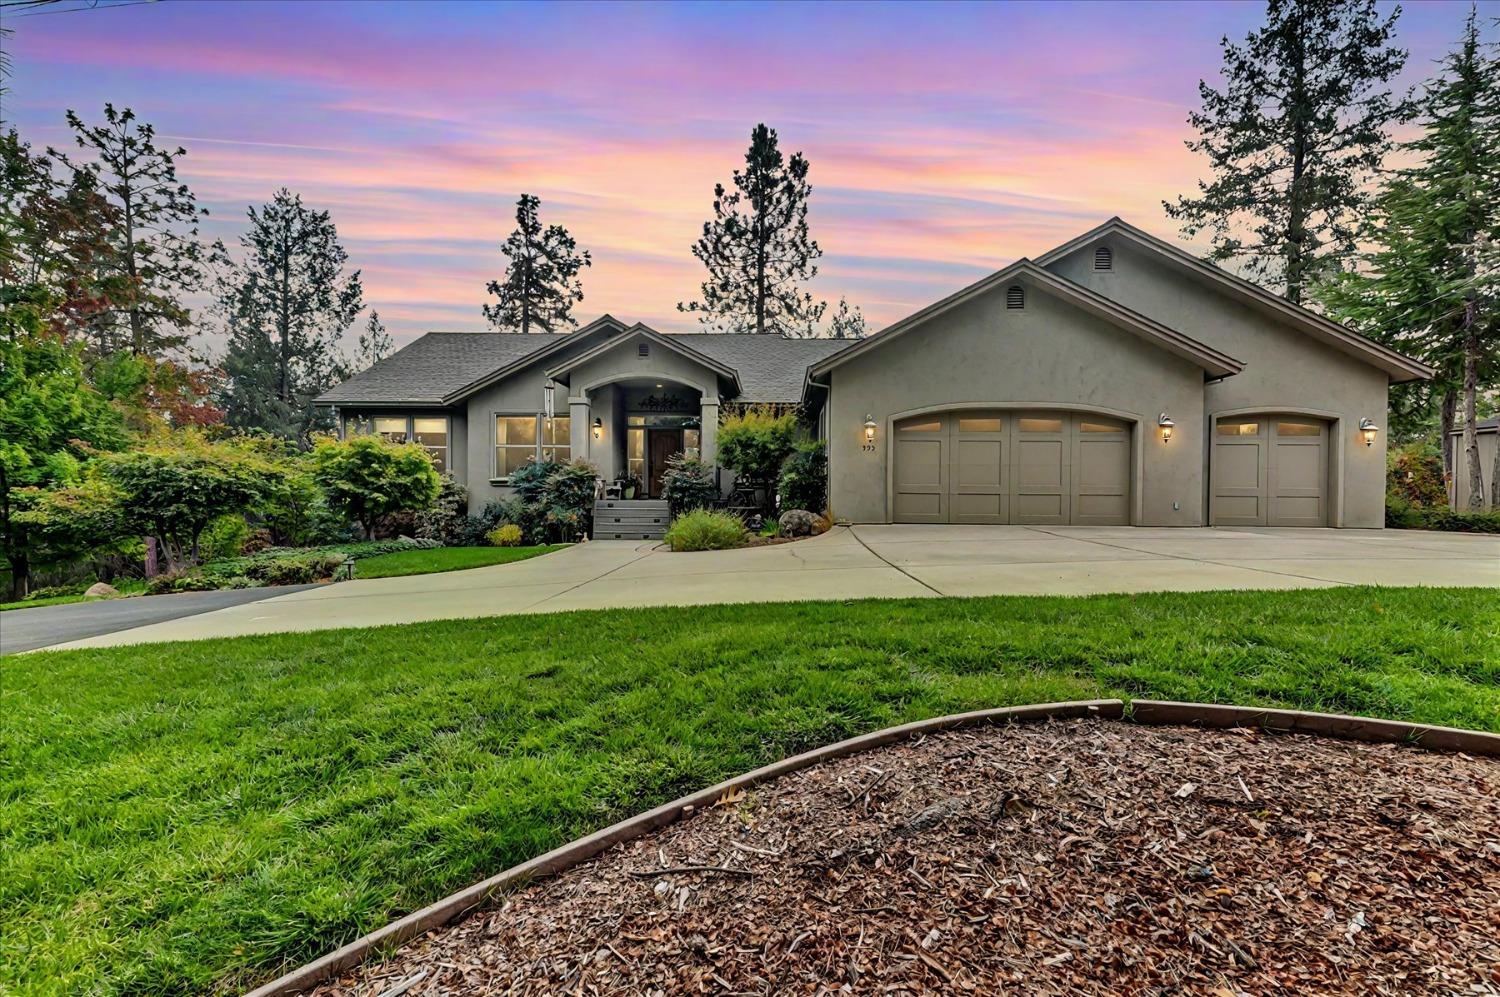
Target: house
<point>1487,436</point>
<point>1115,380</point>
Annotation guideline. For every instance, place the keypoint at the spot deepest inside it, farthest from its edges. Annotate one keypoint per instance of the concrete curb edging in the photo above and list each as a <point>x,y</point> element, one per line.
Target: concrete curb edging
<point>1473,742</point>
<point>1143,711</point>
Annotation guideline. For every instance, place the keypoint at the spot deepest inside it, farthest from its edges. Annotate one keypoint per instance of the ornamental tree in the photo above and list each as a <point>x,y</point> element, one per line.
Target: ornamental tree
<point>174,487</point>
<point>365,478</point>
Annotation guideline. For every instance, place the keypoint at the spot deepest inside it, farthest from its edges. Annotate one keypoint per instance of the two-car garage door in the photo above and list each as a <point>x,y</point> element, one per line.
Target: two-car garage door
<point>989,466</point>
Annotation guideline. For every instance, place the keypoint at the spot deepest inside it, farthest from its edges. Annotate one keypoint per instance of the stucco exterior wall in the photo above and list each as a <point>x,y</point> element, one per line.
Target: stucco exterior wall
<point>1286,371</point>
<point>1047,355</point>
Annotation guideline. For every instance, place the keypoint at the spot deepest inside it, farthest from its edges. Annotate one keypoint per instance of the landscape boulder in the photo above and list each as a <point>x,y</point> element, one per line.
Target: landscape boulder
<point>800,523</point>
<point>101,590</point>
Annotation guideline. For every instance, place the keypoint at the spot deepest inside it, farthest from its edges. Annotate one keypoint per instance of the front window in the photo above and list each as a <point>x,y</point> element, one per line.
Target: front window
<point>393,428</point>
<point>432,434</point>
<point>515,442</point>
<point>557,439</point>
<point>692,442</point>
<point>635,451</point>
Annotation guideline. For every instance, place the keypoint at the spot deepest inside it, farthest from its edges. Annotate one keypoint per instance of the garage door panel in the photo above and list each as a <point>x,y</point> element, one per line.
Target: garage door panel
<point>980,508</point>
<point>1041,510</point>
<point>979,464</point>
<point>1039,464</point>
<point>1101,510</point>
<point>920,463</point>
<point>920,508</point>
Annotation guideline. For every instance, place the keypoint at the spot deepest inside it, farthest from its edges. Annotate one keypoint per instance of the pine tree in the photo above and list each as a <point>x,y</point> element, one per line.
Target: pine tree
<point>1294,138</point>
<point>848,322</point>
<point>286,308</point>
<point>158,257</point>
<point>541,284</point>
<point>1431,284</point>
<point>757,248</point>
<point>374,344</point>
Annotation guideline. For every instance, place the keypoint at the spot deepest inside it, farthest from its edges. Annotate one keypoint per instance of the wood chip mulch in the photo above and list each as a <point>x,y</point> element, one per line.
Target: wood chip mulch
<point>1071,857</point>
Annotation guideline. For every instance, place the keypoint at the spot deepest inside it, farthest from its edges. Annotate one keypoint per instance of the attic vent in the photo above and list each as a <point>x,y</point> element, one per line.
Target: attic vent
<point>1015,296</point>
<point>643,349</point>
<point>1104,259</point>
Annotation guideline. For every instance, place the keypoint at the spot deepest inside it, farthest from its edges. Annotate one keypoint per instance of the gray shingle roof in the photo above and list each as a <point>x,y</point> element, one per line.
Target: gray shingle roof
<point>771,368</point>
<point>434,366</point>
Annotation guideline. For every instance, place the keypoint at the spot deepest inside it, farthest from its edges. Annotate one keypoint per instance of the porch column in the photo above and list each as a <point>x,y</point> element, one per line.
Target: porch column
<point>708,431</point>
<point>580,427</point>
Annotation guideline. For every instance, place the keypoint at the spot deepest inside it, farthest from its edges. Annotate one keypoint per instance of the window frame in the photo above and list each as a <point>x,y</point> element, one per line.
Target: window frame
<point>496,478</point>
<point>364,425</point>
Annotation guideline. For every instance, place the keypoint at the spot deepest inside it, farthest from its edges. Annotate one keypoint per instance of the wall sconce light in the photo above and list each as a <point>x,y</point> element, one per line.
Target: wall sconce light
<point>1165,423</point>
<point>598,427</point>
<point>869,429</point>
<point>1369,429</point>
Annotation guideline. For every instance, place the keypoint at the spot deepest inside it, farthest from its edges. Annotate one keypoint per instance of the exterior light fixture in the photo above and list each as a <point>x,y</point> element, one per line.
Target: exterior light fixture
<point>869,429</point>
<point>1369,429</point>
<point>598,427</point>
<point>1165,423</point>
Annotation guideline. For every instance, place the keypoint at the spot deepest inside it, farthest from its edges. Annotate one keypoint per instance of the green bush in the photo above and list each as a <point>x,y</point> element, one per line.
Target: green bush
<point>688,484</point>
<point>568,497</point>
<point>754,443</point>
<point>253,565</point>
<point>804,479</point>
<point>530,479</point>
<point>447,521</point>
<point>1402,515</point>
<point>367,478</point>
<point>508,535</point>
<point>181,580</point>
<point>224,537</point>
<point>55,591</point>
<point>1414,474</point>
<point>705,529</point>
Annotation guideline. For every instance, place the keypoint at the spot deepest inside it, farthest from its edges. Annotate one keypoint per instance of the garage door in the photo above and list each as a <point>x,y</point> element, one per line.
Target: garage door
<point>1270,471</point>
<point>984,466</point>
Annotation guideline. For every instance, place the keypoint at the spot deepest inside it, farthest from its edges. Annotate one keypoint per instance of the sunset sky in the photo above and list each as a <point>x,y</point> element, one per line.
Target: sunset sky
<point>945,141</point>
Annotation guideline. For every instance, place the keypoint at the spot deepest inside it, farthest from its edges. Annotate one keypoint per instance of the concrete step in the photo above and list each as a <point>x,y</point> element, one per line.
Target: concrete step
<point>623,534</point>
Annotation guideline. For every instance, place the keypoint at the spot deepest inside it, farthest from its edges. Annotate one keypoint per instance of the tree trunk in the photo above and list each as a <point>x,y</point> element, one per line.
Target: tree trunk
<point>283,315</point>
<point>1471,411</point>
<point>1495,475</point>
<point>20,574</point>
<point>1296,264</point>
<point>1447,422</point>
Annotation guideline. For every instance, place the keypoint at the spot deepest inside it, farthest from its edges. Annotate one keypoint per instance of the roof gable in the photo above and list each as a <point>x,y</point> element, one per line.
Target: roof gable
<point>1212,361</point>
<point>1398,366</point>
<point>641,331</point>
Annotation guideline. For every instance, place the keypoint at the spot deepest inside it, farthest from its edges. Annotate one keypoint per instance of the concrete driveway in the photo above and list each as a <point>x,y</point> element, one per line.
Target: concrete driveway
<point>870,562</point>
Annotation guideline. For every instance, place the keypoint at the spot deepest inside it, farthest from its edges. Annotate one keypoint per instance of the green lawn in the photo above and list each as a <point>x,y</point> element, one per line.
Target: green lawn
<point>422,562</point>
<point>126,586</point>
<point>189,817</point>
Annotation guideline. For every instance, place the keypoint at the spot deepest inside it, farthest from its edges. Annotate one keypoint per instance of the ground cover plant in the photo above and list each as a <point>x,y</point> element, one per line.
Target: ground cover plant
<point>198,816</point>
<point>422,562</point>
<point>705,529</point>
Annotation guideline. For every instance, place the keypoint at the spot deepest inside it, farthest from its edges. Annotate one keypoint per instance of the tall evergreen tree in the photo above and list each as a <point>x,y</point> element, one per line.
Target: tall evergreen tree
<point>1431,286</point>
<point>286,307</point>
<point>157,252</point>
<point>541,284</point>
<point>757,248</point>
<point>848,322</point>
<point>1294,138</point>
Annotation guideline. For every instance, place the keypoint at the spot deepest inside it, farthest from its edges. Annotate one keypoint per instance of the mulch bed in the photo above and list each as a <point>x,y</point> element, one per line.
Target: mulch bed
<point>1060,858</point>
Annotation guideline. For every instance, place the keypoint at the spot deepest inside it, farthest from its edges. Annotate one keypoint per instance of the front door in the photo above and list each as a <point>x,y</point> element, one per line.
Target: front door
<point>661,445</point>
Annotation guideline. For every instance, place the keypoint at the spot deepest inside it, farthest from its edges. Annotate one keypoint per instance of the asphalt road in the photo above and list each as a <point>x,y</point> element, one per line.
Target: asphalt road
<point>27,629</point>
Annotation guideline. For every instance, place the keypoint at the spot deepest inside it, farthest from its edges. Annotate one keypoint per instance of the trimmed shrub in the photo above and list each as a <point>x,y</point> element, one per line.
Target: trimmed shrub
<point>530,479</point>
<point>754,443</point>
<point>568,497</point>
<point>508,535</point>
<point>705,529</point>
<point>688,484</point>
<point>804,479</point>
<point>447,521</point>
<point>1402,515</point>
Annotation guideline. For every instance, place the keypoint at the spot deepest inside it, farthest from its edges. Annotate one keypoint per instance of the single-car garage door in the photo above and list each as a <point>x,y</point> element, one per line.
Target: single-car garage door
<point>989,466</point>
<point>1270,470</point>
